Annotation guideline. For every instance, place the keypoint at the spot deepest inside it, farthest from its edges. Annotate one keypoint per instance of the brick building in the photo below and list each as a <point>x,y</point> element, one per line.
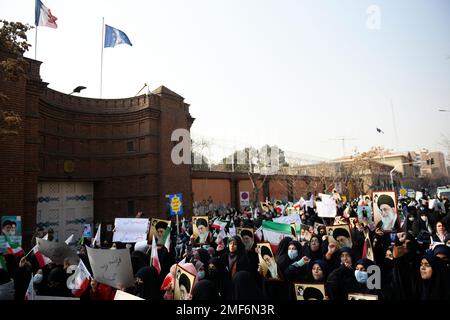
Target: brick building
<point>81,160</point>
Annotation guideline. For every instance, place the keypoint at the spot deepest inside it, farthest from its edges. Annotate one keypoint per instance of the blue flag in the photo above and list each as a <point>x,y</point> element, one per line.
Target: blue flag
<point>114,37</point>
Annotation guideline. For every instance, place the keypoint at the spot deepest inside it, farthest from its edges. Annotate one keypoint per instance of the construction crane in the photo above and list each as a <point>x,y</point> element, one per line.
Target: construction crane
<point>343,139</point>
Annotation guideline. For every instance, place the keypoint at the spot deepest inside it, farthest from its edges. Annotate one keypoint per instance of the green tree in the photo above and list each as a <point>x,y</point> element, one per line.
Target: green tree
<point>13,42</point>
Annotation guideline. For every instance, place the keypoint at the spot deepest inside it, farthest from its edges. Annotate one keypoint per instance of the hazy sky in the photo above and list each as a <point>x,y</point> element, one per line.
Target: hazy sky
<point>287,72</point>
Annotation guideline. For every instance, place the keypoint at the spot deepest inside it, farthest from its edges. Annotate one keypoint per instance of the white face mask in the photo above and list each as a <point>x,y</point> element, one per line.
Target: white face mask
<point>424,218</point>
<point>38,278</point>
<point>411,218</point>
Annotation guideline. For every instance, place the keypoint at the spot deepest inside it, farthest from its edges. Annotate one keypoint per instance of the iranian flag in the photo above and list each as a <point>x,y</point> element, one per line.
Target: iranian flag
<point>154,256</point>
<point>166,237</point>
<point>14,248</point>
<point>274,232</point>
<point>299,204</point>
<point>81,281</point>
<point>41,259</point>
<point>29,295</point>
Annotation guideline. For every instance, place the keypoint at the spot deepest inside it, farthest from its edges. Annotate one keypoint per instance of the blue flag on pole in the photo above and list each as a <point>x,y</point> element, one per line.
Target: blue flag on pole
<point>114,37</point>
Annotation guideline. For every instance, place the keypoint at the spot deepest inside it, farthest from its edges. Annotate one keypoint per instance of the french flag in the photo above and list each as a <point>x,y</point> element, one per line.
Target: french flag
<point>43,16</point>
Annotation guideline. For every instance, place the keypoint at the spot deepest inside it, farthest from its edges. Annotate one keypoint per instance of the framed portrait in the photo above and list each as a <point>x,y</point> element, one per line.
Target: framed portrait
<point>385,209</point>
<point>340,234</point>
<point>184,282</point>
<point>247,235</point>
<point>157,229</point>
<point>352,222</point>
<point>200,229</point>
<point>309,291</point>
<point>362,296</point>
<point>365,214</point>
<point>317,226</point>
<point>294,230</point>
<point>306,231</point>
<point>268,266</point>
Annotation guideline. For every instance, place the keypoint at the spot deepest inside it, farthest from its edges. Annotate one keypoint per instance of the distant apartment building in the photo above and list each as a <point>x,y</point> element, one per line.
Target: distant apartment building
<point>432,163</point>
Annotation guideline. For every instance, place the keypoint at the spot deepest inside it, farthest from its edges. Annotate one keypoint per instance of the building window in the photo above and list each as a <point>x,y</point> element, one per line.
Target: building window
<point>130,146</point>
<point>131,211</point>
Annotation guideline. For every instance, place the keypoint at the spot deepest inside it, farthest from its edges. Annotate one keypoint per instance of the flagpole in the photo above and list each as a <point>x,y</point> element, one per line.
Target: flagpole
<point>35,44</point>
<point>101,63</point>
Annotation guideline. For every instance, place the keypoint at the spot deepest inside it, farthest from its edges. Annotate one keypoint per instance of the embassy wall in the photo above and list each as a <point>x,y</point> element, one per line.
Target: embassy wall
<point>122,146</point>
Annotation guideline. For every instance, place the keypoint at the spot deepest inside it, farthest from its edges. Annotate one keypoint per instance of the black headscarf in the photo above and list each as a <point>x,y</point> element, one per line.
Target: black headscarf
<point>314,255</point>
<point>149,289</point>
<point>205,290</point>
<point>284,261</point>
<point>204,256</point>
<point>138,261</point>
<point>283,247</point>
<point>435,288</point>
<point>245,287</point>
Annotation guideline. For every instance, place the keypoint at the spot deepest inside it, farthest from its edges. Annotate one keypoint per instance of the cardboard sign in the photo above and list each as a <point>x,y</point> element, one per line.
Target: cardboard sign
<point>130,229</point>
<point>326,208</point>
<point>184,283</point>
<point>57,251</point>
<point>111,267</point>
<point>122,295</point>
<point>308,291</point>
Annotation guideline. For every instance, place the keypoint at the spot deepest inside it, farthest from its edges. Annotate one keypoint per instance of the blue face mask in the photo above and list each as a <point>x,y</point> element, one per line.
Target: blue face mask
<point>292,254</point>
<point>37,278</point>
<point>201,275</point>
<point>361,276</point>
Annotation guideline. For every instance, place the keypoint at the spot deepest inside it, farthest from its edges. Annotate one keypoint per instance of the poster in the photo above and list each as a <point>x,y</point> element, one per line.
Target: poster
<point>365,215</point>
<point>184,283</point>
<point>130,229</point>
<point>268,267</point>
<point>248,237</point>
<point>176,204</point>
<point>326,208</point>
<point>12,227</point>
<point>87,231</point>
<point>157,229</point>
<point>308,291</point>
<point>340,234</point>
<point>200,229</point>
<point>385,209</point>
<point>111,267</point>
<point>57,251</point>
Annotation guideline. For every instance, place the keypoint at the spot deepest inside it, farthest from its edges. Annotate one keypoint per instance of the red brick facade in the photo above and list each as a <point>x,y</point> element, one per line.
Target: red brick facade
<point>123,146</point>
